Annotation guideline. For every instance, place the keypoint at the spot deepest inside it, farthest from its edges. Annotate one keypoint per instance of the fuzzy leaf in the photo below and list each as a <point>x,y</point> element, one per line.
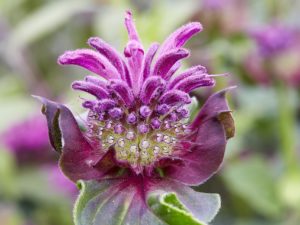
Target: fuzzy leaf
<point>168,207</point>
<point>120,202</point>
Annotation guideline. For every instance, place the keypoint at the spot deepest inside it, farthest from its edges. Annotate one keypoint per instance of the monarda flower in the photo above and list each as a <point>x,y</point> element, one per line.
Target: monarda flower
<point>28,140</point>
<point>138,153</point>
<point>276,57</point>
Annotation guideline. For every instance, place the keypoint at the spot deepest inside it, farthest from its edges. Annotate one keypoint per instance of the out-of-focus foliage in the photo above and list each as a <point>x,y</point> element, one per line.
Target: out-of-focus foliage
<point>260,180</point>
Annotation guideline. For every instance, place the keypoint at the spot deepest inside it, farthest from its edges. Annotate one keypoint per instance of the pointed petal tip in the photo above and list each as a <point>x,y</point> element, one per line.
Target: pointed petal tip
<point>43,101</point>
<point>37,97</point>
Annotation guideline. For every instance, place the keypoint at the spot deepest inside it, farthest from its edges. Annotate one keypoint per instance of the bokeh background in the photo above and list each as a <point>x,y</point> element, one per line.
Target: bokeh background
<point>256,41</point>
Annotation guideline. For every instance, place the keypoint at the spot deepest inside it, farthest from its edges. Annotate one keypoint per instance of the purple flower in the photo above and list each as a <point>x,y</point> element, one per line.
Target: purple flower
<point>273,39</point>
<point>138,139</point>
<point>28,140</point>
<point>277,55</point>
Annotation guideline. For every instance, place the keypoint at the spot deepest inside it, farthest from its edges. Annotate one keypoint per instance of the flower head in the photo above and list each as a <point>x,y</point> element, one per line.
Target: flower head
<point>277,55</point>
<point>137,126</point>
<point>273,39</point>
<point>28,140</point>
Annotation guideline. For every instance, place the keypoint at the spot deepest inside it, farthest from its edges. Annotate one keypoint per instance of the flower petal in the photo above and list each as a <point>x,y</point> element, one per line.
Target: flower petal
<point>91,88</point>
<point>214,106</point>
<point>148,60</point>
<point>175,97</point>
<point>135,54</point>
<point>95,80</point>
<point>151,89</point>
<point>109,52</point>
<point>166,61</point>
<point>203,158</point>
<point>189,72</point>
<point>122,91</point>
<point>173,70</point>
<point>192,82</point>
<point>90,60</point>
<point>202,152</point>
<point>179,37</point>
<point>132,32</point>
<point>78,159</point>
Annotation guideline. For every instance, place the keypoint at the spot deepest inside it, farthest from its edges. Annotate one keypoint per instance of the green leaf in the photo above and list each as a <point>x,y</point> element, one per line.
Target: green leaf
<point>168,207</point>
<point>118,202</point>
<point>252,180</point>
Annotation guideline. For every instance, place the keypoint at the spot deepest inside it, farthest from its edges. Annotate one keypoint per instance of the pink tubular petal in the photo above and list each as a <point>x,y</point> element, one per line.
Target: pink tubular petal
<point>89,104</point>
<point>127,76</point>
<point>189,72</point>
<point>132,32</point>
<point>135,54</point>
<point>147,61</point>
<point>175,97</point>
<point>78,157</point>
<point>104,105</point>
<point>96,81</point>
<point>179,37</point>
<point>167,60</point>
<point>90,60</point>
<point>173,70</point>
<point>91,88</point>
<point>122,91</point>
<point>192,82</point>
<point>109,52</point>
<point>151,89</point>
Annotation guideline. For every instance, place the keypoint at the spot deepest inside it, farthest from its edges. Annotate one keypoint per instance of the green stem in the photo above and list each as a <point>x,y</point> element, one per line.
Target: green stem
<point>286,122</point>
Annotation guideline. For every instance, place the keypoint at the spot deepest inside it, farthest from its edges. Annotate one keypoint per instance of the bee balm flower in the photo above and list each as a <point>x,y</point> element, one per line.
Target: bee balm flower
<point>276,55</point>
<point>138,142</point>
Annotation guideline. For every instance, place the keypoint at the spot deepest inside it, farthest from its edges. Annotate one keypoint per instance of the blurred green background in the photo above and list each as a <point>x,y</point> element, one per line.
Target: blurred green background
<point>260,178</point>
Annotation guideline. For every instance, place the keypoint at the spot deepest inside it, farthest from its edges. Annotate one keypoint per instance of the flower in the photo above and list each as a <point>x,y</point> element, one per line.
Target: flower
<point>137,139</point>
<point>28,140</point>
<point>273,38</point>
<point>276,56</point>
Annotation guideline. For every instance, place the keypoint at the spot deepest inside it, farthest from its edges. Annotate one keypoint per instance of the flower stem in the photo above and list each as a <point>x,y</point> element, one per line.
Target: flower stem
<point>286,122</point>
